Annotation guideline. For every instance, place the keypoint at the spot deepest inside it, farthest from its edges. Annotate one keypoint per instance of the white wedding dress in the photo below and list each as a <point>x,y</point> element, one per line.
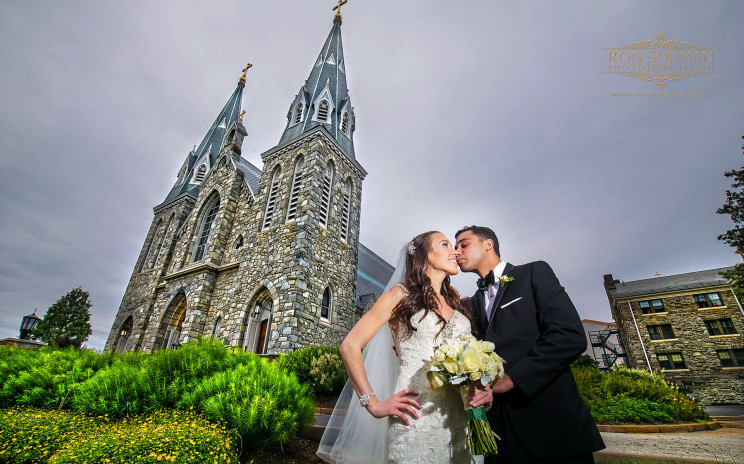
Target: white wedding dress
<point>439,435</point>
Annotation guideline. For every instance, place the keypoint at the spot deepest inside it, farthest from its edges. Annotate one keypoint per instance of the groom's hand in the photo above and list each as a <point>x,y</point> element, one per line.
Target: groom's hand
<point>480,396</point>
<point>504,385</point>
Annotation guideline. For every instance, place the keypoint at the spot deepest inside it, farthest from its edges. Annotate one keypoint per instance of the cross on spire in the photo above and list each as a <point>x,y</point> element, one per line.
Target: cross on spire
<point>338,8</point>
<point>245,71</point>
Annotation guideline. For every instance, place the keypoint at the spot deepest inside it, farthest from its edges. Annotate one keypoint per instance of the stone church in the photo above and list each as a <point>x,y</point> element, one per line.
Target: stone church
<point>264,259</point>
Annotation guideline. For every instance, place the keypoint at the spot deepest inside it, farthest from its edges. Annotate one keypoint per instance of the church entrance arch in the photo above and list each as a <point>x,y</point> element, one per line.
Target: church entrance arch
<point>172,324</point>
<point>255,333</point>
<point>124,333</point>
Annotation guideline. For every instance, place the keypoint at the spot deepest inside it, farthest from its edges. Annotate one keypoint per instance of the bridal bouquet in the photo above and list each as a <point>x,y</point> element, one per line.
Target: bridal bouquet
<point>463,361</point>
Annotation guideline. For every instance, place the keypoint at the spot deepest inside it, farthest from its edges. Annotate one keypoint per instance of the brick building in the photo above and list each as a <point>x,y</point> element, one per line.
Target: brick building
<point>268,258</point>
<point>688,325</point>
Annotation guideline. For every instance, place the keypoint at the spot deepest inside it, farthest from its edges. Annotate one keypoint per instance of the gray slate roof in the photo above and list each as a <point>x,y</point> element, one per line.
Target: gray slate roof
<point>690,280</point>
<point>373,274</point>
<point>329,69</point>
<point>251,173</point>
<point>210,145</point>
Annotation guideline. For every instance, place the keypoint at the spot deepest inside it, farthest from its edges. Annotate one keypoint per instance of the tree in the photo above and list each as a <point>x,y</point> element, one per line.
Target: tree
<point>66,322</point>
<point>734,207</point>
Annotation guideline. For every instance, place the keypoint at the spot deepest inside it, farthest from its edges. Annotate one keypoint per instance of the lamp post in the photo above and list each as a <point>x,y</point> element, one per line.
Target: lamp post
<point>28,324</point>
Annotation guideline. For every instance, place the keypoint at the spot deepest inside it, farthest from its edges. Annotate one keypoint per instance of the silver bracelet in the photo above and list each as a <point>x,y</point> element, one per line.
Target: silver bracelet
<point>364,399</point>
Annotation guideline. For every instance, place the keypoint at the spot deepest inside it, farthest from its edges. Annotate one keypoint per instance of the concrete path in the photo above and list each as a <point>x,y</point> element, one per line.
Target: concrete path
<point>725,445</point>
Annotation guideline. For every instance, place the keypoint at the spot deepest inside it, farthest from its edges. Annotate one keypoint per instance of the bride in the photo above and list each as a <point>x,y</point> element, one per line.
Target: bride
<point>398,417</point>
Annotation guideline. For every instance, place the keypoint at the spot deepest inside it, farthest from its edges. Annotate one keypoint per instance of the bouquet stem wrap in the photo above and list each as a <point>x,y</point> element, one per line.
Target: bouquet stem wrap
<point>480,436</point>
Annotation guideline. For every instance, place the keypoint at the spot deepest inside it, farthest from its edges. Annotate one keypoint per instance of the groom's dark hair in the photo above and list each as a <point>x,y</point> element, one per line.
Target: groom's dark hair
<point>483,233</point>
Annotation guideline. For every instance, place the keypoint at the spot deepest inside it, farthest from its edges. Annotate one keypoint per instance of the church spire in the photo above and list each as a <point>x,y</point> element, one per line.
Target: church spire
<point>201,159</point>
<point>324,98</point>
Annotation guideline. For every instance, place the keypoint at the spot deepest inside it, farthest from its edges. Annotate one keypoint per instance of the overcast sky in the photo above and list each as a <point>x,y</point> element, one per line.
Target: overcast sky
<point>466,112</point>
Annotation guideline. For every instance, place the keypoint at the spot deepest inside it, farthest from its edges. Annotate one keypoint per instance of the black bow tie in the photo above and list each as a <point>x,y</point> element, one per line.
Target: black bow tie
<point>483,283</point>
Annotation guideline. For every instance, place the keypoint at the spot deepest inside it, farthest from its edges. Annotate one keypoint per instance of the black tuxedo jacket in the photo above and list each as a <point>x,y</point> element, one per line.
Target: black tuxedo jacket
<point>537,330</point>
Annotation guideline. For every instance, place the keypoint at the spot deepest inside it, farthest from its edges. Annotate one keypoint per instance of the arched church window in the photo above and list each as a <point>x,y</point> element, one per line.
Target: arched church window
<point>271,202</point>
<point>325,305</point>
<point>345,207</point>
<point>294,194</point>
<point>238,242</point>
<point>217,326</point>
<point>345,124</point>
<point>298,113</point>
<point>206,227</point>
<point>323,111</point>
<point>201,173</point>
<point>162,239</point>
<point>149,246</point>
<point>172,325</point>
<point>326,193</point>
<point>124,333</point>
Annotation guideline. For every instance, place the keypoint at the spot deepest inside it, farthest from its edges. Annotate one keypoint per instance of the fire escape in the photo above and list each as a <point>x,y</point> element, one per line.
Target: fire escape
<point>604,349</point>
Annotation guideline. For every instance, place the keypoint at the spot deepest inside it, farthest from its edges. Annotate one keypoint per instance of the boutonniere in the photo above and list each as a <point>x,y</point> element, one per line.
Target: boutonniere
<point>505,279</point>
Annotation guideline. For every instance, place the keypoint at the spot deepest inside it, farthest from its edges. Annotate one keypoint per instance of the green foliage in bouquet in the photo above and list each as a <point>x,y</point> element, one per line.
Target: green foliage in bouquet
<point>323,377</point>
<point>634,396</point>
<point>262,403</point>
<point>63,437</point>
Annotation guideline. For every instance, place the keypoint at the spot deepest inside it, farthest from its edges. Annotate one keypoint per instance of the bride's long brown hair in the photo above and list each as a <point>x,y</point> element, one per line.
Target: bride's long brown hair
<point>421,295</point>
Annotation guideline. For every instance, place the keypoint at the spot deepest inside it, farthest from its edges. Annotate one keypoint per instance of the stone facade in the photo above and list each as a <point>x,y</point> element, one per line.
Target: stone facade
<point>663,328</point>
<point>290,262</point>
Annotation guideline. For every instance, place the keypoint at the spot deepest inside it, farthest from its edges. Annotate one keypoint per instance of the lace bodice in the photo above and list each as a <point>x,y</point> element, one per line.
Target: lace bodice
<point>439,435</point>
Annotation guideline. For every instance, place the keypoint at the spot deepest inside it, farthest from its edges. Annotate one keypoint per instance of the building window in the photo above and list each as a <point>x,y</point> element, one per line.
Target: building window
<point>671,361</point>
<point>271,202</point>
<point>651,306</point>
<point>298,113</point>
<point>661,332</point>
<point>323,111</point>
<point>345,124</point>
<point>238,242</point>
<point>325,305</point>
<point>201,173</point>
<point>217,326</point>
<point>294,194</point>
<point>720,327</point>
<point>325,200</point>
<point>205,231</point>
<point>149,246</point>
<point>345,212</point>
<point>162,240</point>
<point>731,358</point>
<point>708,300</point>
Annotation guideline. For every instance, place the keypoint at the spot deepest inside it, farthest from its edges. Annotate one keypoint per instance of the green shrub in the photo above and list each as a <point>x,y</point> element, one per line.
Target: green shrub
<point>47,377</point>
<point>328,374</point>
<point>634,396</point>
<point>62,437</point>
<point>141,383</point>
<point>262,403</point>
<point>300,363</point>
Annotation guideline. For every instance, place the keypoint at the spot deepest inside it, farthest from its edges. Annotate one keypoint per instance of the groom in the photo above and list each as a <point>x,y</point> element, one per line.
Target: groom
<point>526,313</point>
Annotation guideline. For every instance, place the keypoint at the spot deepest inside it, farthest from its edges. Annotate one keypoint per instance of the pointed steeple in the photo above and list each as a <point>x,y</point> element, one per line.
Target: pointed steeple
<point>324,99</point>
<point>201,159</point>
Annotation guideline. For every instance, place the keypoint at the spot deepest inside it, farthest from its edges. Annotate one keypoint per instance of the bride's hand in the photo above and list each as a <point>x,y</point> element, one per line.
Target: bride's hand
<point>397,405</point>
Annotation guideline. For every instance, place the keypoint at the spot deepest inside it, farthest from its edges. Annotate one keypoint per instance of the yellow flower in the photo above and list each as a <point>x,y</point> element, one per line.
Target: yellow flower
<point>475,376</point>
<point>452,366</point>
<point>436,380</point>
<point>470,360</point>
